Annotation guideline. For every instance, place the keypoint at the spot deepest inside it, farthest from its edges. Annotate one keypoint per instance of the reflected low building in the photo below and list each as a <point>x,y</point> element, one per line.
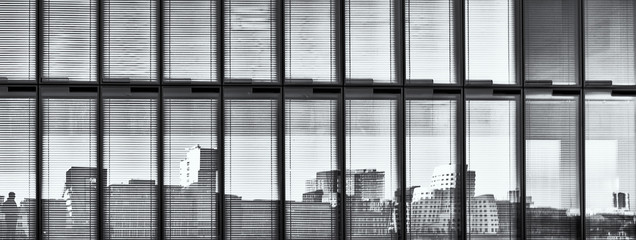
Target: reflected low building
<point>131,210</point>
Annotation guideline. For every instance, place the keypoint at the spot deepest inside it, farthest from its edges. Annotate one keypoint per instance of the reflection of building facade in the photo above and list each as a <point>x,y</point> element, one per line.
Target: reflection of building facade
<point>131,210</point>
<point>621,201</point>
<point>437,211</point>
<point>80,193</point>
<point>199,166</point>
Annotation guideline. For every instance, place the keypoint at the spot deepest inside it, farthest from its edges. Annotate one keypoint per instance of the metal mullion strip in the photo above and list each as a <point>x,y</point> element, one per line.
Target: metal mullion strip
<point>160,167</point>
<point>401,111</point>
<point>39,214</point>
<point>39,209</point>
<point>400,61</point>
<point>281,165</point>
<point>521,136</point>
<point>581,167</point>
<point>462,169</point>
<point>220,71</point>
<point>581,116</point>
<point>340,21</point>
<point>101,182</point>
<point>161,221</point>
<point>461,76</point>
<point>521,222</point>
<point>280,75</point>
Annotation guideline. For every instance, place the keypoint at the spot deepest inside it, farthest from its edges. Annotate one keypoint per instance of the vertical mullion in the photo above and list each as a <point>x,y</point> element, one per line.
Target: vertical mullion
<point>401,162</point>
<point>462,169</point>
<point>521,222</point>
<point>581,116</point>
<point>100,166</point>
<point>280,75</point>
<point>220,71</point>
<point>281,166</point>
<point>160,167</point>
<point>520,58</point>
<point>100,116</point>
<point>39,214</point>
<point>340,21</point>
<point>461,73</point>
<point>401,80</point>
<point>160,115</point>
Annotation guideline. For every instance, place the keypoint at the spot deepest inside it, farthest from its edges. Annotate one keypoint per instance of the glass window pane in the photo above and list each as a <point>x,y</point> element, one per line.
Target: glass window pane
<point>130,158</point>
<point>69,180</point>
<point>70,40</point>
<point>250,41</point>
<point>431,157</point>
<point>311,167</point>
<point>610,178</point>
<point>552,163</point>
<point>369,32</point>
<point>190,168</point>
<point>17,167</point>
<point>310,41</point>
<point>492,182</point>
<point>609,41</point>
<point>430,41</point>
<point>17,40</point>
<point>550,40</point>
<point>251,168</point>
<point>371,149</point>
<point>130,40</point>
<point>190,40</point>
<point>490,41</point>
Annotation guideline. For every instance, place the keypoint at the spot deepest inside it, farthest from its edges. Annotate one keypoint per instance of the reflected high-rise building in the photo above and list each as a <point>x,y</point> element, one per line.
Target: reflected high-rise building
<point>199,166</point>
<point>80,193</point>
<point>131,210</point>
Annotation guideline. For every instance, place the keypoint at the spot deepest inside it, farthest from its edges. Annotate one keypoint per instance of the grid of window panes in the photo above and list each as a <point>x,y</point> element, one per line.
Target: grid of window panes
<point>317,119</point>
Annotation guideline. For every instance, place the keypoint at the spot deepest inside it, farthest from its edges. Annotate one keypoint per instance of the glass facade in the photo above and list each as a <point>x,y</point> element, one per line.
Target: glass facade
<point>317,119</point>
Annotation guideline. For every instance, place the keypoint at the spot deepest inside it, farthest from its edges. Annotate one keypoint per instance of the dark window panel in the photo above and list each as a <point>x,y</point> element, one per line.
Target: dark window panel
<point>69,40</point>
<point>17,40</point>
<point>369,36</point>
<point>190,40</point>
<point>490,41</point>
<point>551,41</point>
<point>431,169</point>
<point>130,161</point>
<point>372,178</point>
<point>130,40</point>
<point>191,168</point>
<point>251,169</point>
<point>250,41</point>
<point>552,167</point>
<point>69,180</point>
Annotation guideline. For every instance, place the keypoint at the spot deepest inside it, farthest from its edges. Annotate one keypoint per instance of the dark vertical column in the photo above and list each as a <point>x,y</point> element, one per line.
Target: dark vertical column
<point>520,58</point>
<point>581,115</point>
<point>280,75</point>
<point>340,22</point>
<point>220,63</point>
<point>160,145</point>
<point>401,79</point>
<point>460,56</point>
<point>101,181</point>
<point>101,177</point>
<point>39,33</point>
